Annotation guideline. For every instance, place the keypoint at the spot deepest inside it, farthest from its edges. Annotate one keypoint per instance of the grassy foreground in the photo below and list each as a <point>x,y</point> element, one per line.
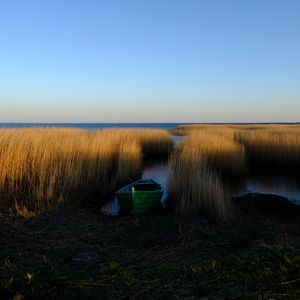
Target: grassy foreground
<point>81,255</point>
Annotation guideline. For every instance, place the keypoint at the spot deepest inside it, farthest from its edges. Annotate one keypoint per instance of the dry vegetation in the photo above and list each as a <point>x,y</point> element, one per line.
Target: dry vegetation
<point>42,169</point>
<point>272,147</point>
<point>197,169</point>
<point>194,188</point>
<point>210,154</point>
<point>225,156</point>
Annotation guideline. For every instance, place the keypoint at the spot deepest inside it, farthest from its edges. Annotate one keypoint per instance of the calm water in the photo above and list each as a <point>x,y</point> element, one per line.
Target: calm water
<point>157,171</point>
<point>94,126</point>
<point>285,185</point>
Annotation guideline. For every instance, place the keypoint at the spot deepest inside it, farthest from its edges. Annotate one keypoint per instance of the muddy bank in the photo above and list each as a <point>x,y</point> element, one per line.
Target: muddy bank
<point>268,205</point>
<point>270,208</point>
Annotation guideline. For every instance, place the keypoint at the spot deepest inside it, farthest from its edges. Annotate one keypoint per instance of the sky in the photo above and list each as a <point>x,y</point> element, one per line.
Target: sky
<point>149,61</point>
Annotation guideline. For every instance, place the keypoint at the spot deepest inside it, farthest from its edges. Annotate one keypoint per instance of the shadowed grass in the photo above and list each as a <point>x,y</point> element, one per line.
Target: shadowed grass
<point>195,188</point>
<point>197,171</point>
<point>257,272</point>
<point>154,256</point>
<point>272,148</point>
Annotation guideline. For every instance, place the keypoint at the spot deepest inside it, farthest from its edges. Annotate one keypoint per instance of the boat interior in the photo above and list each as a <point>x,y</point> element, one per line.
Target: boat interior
<point>142,185</point>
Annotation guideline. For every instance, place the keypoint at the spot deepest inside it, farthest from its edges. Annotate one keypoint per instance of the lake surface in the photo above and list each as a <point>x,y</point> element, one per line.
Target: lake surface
<point>286,185</point>
<point>157,171</point>
<point>94,126</point>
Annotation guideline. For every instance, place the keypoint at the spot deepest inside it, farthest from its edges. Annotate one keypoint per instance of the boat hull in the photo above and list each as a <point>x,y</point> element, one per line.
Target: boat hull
<point>136,202</point>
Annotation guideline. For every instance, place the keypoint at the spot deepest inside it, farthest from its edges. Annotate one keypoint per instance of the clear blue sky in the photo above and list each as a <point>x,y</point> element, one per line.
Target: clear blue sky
<point>149,60</point>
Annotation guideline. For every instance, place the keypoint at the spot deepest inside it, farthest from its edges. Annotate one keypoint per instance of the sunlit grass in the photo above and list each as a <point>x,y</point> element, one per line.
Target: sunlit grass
<point>43,169</point>
<point>218,147</point>
<point>269,146</point>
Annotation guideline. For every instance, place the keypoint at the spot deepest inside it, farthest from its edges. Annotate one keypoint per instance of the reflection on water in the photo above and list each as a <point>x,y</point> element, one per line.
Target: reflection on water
<point>154,169</point>
<point>158,171</point>
<point>177,138</point>
<point>286,185</point>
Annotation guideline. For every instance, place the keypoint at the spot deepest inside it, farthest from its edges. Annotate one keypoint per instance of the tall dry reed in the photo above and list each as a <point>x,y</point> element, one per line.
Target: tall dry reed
<point>217,146</point>
<point>198,169</point>
<point>269,146</point>
<point>153,142</point>
<point>186,129</point>
<point>275,147</point>
<point>195,189</point>
<point>210,154</point>
<point>43,169</point>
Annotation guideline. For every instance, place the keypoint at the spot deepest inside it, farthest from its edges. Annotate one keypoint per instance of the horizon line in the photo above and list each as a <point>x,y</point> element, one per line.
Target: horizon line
<point>258,122</point>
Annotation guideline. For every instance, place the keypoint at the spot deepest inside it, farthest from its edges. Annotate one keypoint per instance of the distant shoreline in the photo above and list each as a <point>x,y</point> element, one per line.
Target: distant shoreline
<point>94,126</point>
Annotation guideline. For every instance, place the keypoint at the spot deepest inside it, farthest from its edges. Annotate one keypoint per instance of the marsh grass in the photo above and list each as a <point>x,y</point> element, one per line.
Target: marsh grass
<point>200,170</point>
<point>195,188</point>
<point>211,157</point>
<point>186,129</point>
<point>43,169</point>
<point>272,148</point>
<point>259,271</point>
<point>218,147</point>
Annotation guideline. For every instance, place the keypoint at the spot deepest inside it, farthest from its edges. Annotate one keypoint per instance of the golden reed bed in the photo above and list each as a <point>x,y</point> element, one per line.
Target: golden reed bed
<point>42,169</point>
<point>211,154</point>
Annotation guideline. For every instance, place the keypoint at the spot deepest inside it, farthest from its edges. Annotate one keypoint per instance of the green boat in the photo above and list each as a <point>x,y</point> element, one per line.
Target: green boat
<point>139,197</point>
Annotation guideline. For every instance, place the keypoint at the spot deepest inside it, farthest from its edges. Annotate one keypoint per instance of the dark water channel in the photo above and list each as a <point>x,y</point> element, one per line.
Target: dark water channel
<point>152,169</point>
<point>158,170</point>
<point>286,185</point>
